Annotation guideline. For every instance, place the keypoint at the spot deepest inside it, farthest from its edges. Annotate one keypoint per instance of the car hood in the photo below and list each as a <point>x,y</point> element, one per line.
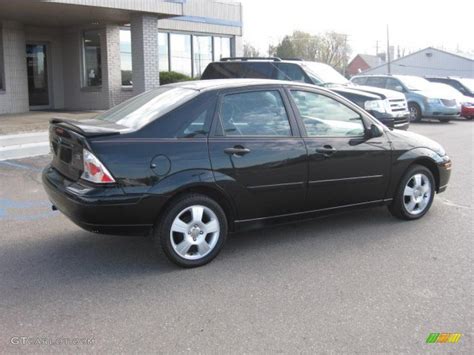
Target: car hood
<point>433,94</point>
<point>384,93</point>
<point>415,140</point>
<point>353,90</point>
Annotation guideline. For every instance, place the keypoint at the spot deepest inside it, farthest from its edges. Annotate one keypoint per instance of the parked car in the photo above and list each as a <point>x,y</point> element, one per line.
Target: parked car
<point>388,106</point>
<point>463,85</point>
<point>190,162</point>
<point>423,100</point>
<point>465,103</point>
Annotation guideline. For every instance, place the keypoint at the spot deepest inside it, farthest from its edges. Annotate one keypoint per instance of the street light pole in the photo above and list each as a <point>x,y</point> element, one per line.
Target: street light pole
<point>388,52</point>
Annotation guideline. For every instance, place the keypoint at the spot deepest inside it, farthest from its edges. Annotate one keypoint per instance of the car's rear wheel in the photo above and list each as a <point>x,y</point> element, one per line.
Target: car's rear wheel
<point>415,194</point>
<point>415,112</point>
<point>192,231</point>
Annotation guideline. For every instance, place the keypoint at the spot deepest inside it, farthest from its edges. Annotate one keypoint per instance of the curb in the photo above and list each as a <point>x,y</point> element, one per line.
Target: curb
<point>17,146</point>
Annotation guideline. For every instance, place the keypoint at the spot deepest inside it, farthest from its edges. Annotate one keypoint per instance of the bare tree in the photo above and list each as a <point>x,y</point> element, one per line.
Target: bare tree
<point>330,47</point>
<point>250,51</point>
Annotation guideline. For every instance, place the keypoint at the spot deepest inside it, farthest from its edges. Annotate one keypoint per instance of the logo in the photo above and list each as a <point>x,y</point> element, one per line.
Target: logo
<point>443,338</point>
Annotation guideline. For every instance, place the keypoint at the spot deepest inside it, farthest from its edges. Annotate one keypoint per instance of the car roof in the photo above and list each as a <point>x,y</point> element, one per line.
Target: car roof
<point>216,84</point>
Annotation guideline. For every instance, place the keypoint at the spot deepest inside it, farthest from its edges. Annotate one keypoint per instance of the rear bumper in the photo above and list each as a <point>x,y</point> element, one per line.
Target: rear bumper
<point>98,209</point>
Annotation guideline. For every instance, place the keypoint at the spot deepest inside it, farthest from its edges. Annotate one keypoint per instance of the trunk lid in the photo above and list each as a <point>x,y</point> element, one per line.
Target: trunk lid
<point>68,138</point>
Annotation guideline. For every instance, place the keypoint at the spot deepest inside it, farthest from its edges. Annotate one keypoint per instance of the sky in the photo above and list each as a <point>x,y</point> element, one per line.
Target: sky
<point>413,24</point>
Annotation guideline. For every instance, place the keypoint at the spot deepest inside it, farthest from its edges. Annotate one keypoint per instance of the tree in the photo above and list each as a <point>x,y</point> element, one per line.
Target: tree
<point>329,47</point>
<point>250,51</point>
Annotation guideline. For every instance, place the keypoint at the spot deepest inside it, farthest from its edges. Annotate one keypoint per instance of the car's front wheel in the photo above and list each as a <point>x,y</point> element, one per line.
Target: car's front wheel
<point>192,231</point>
<point>415,112</point>
<point>414,195</point>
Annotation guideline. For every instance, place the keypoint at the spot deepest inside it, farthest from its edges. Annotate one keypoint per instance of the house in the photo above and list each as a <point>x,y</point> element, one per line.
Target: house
<point>428,62</point>
<point>362,62</point>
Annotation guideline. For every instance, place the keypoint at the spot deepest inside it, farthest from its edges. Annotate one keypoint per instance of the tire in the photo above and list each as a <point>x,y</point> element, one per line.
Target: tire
<point>415,112</point>
<point>412,200</point>
<point>197,221</point>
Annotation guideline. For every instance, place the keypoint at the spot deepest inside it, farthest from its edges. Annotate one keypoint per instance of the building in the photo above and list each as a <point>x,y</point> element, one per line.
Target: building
<point>94,54</point>
<point>362,62</point>
<point>428,62</point>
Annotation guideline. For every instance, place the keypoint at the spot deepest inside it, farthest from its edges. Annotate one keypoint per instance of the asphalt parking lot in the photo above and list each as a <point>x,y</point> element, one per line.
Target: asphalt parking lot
<point>356,282</point>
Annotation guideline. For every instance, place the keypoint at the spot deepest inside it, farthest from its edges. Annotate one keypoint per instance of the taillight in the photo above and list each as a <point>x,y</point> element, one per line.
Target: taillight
<point>94,170</point>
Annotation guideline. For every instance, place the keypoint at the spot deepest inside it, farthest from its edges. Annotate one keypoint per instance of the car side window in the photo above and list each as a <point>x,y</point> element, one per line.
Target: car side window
<point>394,84</point>
<point>360,80</point>
<point>289,71</point>
<point>323,116</point>
<point>376,81</point>
<point>191,120</point>
<point>256,113</point>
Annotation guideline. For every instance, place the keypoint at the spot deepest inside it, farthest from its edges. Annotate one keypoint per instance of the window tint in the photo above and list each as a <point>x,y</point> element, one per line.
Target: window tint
<point>258,113</point>
<point>324,116</point>
<point>376,81</point>
<point>145,108</point>
<point>394,84</point>
<point>222,71</point>
<point>192,119</point>
<point>288,71</point>
<point>257,70</point>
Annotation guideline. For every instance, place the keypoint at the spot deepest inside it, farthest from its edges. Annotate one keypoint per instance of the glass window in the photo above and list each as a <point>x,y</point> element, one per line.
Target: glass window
<point>190,120</point>
<point>126,56</point>
<point>376,81</point>
<point>180,47</point>
<point>359,80</point>
<point>394,84</point>
<point>221,47</point>
<point>202,53</point>
<point>288,71</point>
<point>324,116</point>
<point>163,48</point>
<point>256,70</point>
<point>145,108</point>
<point>258,113</point>
<point>92,59</point>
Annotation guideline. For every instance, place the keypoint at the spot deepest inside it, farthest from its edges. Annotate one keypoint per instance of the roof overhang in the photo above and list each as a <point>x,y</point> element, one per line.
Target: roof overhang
<point>57,13</point>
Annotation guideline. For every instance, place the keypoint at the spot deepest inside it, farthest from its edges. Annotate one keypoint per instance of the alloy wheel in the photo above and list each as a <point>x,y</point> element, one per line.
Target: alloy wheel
<point>194,232</point>
<point>417,194</point>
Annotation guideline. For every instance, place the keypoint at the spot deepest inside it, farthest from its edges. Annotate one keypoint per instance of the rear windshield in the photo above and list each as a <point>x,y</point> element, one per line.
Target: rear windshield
<point>147,107</point>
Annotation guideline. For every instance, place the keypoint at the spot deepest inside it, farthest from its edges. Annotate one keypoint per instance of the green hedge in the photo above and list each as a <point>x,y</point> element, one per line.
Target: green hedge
<point>168,77</point>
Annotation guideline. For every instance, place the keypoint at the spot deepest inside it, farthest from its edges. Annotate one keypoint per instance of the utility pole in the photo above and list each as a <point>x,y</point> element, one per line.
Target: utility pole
<point>388,52</point>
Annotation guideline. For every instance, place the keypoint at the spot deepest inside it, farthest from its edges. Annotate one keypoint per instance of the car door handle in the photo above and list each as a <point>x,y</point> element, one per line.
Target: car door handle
<point>326,150</point>
<point>237,150</point>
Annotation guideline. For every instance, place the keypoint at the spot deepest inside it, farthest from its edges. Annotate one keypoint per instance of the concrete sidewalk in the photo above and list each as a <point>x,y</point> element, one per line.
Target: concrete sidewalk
<point>26,135</point>
<point>35,121</point>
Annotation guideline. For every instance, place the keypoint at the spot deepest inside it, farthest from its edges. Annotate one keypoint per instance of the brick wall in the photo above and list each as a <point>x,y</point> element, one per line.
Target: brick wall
<point>14,97</point>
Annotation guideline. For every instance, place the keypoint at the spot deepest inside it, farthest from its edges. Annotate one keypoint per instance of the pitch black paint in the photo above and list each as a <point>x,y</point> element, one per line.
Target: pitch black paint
<point>257,180</point>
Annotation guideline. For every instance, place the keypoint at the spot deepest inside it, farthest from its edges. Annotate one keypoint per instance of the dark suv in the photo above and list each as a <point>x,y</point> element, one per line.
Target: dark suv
<point>389,107</point>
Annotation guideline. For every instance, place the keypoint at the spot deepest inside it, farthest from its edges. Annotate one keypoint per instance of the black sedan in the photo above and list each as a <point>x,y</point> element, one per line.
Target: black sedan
<point>193,161</point>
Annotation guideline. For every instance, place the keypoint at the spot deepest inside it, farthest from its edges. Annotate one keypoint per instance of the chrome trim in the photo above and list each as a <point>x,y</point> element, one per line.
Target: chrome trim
<point>312,211</point>
<point>272,186</point>
<point>347,179</point>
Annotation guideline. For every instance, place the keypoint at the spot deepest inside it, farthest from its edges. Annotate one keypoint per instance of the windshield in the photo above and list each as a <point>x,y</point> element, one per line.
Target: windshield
<point>445,89</point>
<point>142,109</point>
<point>415,83</point>
<point>324,74</point>
<point>469,83</point>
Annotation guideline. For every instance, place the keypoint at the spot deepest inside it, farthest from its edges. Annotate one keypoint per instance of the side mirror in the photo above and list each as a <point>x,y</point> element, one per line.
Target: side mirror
<point>374,132</point>
<point>399,88</point>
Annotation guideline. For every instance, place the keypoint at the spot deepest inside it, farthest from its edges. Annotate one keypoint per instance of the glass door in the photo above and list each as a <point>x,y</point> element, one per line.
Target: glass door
<point>37,70</point>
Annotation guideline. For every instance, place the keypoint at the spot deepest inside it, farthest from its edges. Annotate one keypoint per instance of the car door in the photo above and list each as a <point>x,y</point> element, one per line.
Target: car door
<point>257,154</point>
<point>344,167</point>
